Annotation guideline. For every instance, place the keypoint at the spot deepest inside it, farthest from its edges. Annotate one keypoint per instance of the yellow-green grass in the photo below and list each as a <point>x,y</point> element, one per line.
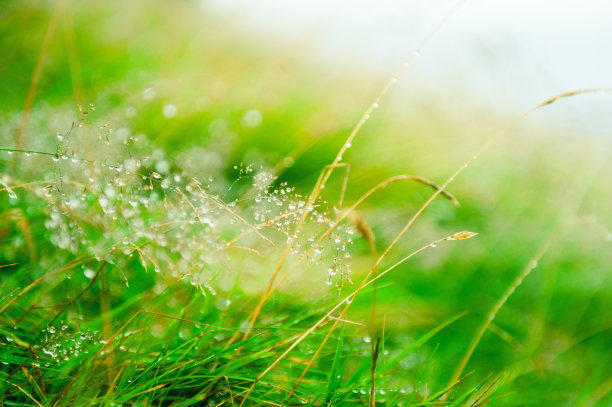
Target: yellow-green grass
<point>547,344</point>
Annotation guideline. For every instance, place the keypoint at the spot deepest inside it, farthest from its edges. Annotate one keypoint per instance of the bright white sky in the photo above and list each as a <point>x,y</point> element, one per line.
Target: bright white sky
<point>510,53</point>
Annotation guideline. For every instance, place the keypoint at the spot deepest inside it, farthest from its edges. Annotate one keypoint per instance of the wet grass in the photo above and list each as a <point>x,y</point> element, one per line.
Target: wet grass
<point>198,232</point>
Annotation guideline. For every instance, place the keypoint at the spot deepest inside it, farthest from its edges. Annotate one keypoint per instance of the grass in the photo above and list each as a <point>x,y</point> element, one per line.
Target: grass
<point>144,263</point>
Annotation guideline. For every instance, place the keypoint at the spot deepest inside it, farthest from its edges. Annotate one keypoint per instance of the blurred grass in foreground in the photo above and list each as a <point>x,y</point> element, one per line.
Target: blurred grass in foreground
<point>191,98</point>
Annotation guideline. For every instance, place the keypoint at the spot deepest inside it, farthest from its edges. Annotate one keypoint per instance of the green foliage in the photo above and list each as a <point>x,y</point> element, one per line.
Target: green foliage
<point>140,231</point>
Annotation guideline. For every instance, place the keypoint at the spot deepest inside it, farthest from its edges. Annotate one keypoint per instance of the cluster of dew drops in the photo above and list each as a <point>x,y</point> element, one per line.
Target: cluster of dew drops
<point>310,229</point>
<point>129,202</point>
<point>61,343</point>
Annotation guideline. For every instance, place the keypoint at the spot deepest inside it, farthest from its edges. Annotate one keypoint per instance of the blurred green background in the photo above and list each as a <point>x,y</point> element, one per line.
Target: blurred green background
<point>197,87</point>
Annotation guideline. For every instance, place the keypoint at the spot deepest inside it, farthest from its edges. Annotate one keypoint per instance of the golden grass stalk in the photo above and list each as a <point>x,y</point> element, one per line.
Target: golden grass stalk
<point>326,174</point>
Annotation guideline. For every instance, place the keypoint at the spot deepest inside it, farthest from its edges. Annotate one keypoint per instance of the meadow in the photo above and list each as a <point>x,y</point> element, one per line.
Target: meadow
<point>192,216</point>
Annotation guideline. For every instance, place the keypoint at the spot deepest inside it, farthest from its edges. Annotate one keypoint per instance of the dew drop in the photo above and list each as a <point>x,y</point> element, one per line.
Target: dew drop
<point>212,291</point>
<point>170,111</point>
<point>252,118</point>
<point>148,94</point>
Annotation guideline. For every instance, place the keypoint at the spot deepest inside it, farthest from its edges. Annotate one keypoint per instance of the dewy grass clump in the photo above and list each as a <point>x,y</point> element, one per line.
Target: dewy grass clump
<point>132,273</point>
<point>124,204</point>
<point>106,218</point>
<point>107,241</point>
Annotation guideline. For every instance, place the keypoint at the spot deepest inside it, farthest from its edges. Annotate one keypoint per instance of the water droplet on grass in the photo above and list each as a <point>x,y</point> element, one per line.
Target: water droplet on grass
<point>170,110</point>
<point>252,118</point>
<point>148,94</point>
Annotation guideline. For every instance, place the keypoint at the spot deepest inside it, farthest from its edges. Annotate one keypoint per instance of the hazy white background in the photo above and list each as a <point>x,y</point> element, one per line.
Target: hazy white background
<point>509,54</point>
